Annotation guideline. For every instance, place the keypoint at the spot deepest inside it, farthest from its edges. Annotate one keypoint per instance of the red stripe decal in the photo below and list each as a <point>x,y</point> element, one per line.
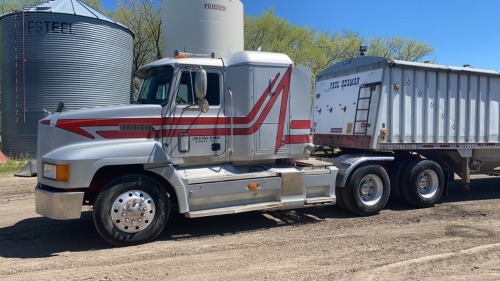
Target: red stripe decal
<point>300,124</point>
<point>283,86</point>
<point>297,139</point>
<point>77,126</point>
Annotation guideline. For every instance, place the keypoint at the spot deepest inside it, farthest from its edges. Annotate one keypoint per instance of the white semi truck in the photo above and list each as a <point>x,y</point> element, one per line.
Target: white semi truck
<point>213,136</point>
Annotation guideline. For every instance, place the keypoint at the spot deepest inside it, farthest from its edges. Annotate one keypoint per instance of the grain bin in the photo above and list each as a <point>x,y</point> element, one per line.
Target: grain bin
<point>60,50</point>
<point>202,27</point>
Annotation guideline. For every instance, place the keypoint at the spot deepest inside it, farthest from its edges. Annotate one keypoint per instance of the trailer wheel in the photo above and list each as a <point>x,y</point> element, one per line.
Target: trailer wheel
<point>425,183</point>
<point>367,191</point>
<point>130,210</point>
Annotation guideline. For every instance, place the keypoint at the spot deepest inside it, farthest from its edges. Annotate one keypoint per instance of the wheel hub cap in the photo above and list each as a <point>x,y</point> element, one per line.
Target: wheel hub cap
<point>428,183</point>
<point>370,190</point>
<point>133,211</point>
<point>365,189</point>
<point>423,182</point>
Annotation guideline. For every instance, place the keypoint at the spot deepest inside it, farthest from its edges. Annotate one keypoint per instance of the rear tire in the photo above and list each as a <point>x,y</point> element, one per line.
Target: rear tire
<point>367,191</point>
<point>396,176</point>
<point>424,182</point>
<point>131,210</point>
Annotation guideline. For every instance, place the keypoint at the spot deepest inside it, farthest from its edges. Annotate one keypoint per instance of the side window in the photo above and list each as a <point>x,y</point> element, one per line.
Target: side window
<point>161,93</point>
<point>184,93</point>
<point>213,89</point>
<point>186,96</point>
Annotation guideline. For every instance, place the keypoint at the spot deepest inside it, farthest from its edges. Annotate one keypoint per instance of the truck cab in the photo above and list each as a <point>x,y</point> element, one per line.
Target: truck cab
<point>206,136</point>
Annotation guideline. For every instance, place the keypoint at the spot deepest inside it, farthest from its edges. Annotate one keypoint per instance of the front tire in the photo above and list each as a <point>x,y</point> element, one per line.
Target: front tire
<point>368,190</point>
<point>131,210</point>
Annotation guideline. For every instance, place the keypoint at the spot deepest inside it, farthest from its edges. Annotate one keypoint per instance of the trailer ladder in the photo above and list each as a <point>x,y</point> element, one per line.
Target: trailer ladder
<point>361,125</point>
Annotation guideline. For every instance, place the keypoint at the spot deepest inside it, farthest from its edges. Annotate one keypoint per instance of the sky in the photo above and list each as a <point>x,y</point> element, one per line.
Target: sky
<point>460,31</point>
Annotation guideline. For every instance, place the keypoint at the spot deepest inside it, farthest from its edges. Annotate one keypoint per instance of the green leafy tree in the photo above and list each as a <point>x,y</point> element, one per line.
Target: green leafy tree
<point>143,18</point>
<point>97,5</point>
<point>399,48</point>
<point>315,50</point>
<point>332,48</point>
<point>7,6</point>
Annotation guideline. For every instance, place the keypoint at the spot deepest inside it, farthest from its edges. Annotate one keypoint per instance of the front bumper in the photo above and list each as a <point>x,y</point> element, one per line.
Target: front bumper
<point>58,205</point>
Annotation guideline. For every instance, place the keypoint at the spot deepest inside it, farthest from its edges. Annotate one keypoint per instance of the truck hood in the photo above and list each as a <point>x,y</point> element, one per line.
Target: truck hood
<point>111,122</point>
<point>114,111</point>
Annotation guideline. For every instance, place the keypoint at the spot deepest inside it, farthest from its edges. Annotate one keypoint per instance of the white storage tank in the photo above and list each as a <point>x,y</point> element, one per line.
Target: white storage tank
<point>202,27</point>
<point>60,50</point>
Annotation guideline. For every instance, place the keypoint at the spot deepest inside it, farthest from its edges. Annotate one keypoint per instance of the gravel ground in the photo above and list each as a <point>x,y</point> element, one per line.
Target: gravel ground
<point>458,239</point>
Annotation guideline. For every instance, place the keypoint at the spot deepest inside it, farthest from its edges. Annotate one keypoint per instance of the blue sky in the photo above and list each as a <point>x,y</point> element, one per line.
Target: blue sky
<point>460,31</point>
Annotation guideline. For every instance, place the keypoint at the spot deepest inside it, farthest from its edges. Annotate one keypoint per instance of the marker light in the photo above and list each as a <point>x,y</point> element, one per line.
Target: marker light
<point>253,186</point>
<point>57,172</point>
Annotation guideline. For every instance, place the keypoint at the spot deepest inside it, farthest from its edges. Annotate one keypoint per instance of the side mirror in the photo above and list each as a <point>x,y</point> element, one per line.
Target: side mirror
<point>200,84</point>
<point>203,105</point>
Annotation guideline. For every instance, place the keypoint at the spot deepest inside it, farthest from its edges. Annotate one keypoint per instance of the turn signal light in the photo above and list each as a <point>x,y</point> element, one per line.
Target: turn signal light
<point>57,172</point>
<point>253,186</point>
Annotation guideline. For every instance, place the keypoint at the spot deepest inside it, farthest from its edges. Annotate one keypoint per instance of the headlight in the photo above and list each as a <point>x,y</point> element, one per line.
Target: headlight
<point>57,172</point>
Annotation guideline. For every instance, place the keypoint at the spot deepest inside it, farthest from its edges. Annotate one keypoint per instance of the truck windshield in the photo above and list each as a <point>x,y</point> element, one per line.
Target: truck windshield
<point>156,85</point>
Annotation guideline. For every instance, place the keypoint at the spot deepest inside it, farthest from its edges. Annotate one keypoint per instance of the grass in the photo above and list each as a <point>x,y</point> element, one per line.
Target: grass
<point>12,166</point>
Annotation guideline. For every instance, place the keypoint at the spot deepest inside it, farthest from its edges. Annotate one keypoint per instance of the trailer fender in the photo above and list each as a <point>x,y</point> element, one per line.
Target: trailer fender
<point>349,162</point>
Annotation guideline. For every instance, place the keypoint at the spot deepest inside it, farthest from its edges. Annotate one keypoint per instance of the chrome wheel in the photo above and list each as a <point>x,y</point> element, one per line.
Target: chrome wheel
<point>371,189</point>
<point>423,183</point>
<point>367,191</point>
<point>133,211</point>
<point>428,183</point>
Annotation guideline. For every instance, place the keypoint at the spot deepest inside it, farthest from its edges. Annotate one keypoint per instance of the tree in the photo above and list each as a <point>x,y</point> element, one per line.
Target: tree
<point>307,47</point>
<point>96,4</point>
<point>336,47</point>
<point>399,48</point>
<point>7,6</point>
<point>143,18</point>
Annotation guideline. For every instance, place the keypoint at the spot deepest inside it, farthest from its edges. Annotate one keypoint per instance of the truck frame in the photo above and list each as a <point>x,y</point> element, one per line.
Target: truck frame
<point>212,136</point>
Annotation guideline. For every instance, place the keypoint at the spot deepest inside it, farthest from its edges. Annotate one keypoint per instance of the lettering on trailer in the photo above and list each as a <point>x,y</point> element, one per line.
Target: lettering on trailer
<point>216,7</point>
<point>60,27</point>
<point>344,83</point>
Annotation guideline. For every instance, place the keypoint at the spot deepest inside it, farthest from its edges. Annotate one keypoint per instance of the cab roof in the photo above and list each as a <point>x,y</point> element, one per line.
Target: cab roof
<point>236,59</point>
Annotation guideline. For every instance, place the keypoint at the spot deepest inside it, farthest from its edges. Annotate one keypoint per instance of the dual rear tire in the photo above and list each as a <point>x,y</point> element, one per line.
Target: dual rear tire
<point>367,190</point>
<point>418,182</point>
<point>423,183</point>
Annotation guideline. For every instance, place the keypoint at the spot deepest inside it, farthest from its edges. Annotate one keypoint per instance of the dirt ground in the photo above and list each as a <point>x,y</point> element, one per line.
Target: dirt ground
<point>458,239</point>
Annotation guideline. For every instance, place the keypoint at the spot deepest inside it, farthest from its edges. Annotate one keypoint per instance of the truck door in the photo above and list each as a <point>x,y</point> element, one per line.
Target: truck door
<point>192,135</point>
